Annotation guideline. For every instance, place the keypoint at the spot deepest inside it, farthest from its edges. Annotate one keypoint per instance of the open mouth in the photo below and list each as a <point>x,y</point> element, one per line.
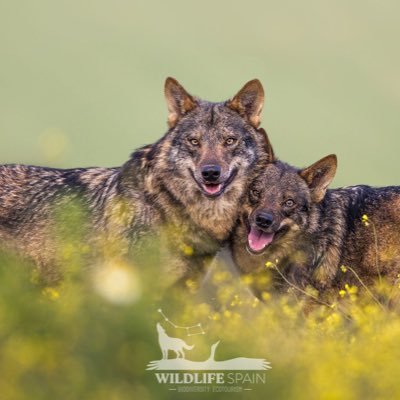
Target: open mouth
<point>212,189</point>
<point>258,240</point>
<point>215,189</point>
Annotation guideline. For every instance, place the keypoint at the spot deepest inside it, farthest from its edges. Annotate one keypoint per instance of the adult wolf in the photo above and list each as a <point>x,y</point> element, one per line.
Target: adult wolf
<point>186,187</point>
<point>291,220</point>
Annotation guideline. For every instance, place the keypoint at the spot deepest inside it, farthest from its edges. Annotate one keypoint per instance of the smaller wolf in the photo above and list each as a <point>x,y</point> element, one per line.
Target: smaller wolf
<point>291,220</point>
<point>169,343</point>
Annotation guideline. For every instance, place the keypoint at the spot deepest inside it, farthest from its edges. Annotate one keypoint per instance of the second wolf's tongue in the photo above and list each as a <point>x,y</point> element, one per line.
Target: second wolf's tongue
<point>258,240</point>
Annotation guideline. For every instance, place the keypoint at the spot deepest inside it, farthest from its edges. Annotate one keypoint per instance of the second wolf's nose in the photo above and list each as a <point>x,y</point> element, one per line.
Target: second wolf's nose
<point>264,220</point>
<point>211,173</point>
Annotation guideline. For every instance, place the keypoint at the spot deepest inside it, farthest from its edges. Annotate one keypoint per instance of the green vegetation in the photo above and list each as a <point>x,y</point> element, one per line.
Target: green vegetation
<point>92,336</point>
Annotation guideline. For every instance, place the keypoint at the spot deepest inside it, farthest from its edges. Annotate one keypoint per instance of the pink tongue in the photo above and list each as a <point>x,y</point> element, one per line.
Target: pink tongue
<point>212,189</point>
<point>258,240</point>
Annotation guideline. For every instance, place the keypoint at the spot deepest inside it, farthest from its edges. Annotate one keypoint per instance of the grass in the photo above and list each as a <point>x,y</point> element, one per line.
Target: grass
<point>92,336</point>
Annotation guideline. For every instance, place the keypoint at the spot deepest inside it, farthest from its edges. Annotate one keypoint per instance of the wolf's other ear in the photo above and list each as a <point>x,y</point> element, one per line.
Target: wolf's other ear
<point>179,101</point>
<point>319,176</point>
<point>249,102</point>
<point>268,146</point>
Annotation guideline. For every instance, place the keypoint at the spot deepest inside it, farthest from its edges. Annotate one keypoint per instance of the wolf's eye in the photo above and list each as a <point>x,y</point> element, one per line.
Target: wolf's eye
<point>230,141</point>
<point>255,193</point>
<point>194,142</point>
<point>289,203</point>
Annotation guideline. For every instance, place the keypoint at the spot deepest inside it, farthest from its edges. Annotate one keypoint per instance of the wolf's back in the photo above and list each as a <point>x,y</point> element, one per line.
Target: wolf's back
<point>27,189</point>
<point>30,196</point>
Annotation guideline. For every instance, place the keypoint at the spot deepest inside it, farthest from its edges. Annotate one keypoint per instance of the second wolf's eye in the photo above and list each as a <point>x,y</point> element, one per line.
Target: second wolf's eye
<point>194,142</point>
<point>255,193</point>
<point>230,141</point>
<point>289,203</point>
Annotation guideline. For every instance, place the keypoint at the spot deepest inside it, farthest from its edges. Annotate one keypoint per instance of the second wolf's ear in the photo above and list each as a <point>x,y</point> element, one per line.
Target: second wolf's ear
<point>179,101</point>
<point>249,102</point>
<point>319,176</point>
<point>268,146</point>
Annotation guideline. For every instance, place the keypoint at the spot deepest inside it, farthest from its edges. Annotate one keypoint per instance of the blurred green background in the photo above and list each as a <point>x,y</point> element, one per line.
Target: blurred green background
<point>82,82</point>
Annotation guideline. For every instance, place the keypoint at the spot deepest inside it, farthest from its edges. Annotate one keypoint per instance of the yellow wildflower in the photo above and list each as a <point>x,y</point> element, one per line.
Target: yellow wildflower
<point>256,302</point>
<point>187,250</point>
<point>265,296</point>
<point>215,317</point>
<point>351,289</point>
<point>247,279</point>
<point>227,314</point>
<point>51,293</point>
<point>269,264</point>
<point>191,284</point>
<point>365,220</point>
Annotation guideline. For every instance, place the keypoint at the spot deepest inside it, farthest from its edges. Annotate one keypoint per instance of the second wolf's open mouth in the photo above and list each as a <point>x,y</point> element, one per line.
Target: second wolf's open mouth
<point>258,240</point>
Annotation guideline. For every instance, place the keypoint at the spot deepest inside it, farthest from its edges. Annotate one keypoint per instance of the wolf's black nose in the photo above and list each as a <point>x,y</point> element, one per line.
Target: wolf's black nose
<point>264,220</point>
<point>211,173</point>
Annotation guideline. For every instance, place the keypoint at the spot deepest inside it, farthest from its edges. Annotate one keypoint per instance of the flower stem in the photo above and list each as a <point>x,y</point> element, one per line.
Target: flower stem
<point>366,288</point>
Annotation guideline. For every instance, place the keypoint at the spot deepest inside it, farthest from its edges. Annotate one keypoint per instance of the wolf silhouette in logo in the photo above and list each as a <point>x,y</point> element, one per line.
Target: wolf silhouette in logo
<point>169,343</point>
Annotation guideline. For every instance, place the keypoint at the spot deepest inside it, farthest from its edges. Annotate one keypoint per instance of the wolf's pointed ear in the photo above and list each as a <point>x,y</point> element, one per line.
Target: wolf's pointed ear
<point>268,146</point>
<point>319,176</point>
<point>179,101</point>
<point>249,102</point>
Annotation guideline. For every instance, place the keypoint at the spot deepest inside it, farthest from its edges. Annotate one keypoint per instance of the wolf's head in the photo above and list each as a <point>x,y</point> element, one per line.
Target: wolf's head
<point>199,170</point>
<point>160,329</point>
<point>281,199</point>
<point>210,147</point>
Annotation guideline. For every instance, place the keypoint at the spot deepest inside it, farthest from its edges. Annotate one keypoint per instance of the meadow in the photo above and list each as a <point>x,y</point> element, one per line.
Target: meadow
<point>94,337</point>
<point>82,85</point>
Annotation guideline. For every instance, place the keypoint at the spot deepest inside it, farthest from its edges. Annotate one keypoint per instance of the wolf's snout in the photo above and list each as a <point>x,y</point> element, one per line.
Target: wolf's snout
<point>264,220</point>
<point>211,173</point>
